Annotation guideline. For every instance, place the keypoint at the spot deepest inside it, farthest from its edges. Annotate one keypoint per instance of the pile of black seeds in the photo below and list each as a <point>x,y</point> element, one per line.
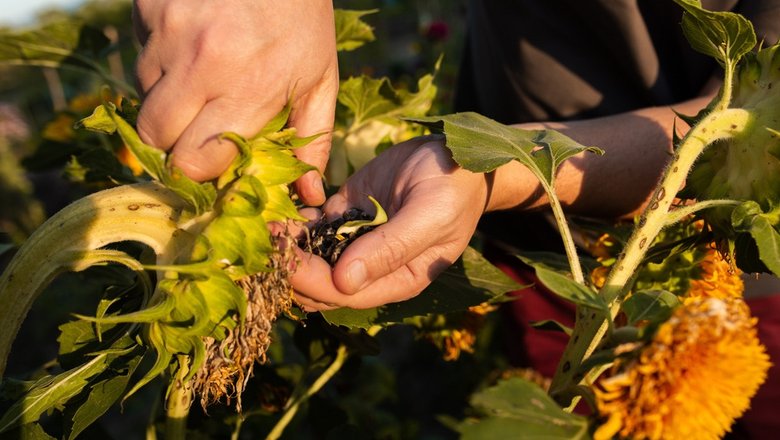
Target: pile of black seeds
<point>323,241</point>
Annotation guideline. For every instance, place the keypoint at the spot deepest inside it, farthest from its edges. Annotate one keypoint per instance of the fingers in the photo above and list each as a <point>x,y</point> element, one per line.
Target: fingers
<point>314,114</point>
<point>200,153</point>
<point>312,278</point>
<point>317,293</point>
<point>167,111</point>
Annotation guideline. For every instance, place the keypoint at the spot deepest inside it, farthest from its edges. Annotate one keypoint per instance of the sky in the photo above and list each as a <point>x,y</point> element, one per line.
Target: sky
<point>22,12</point>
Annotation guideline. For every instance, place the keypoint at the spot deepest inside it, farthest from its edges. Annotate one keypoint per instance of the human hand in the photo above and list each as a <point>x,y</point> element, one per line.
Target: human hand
<point>232,65</point>
<point>433,208</point>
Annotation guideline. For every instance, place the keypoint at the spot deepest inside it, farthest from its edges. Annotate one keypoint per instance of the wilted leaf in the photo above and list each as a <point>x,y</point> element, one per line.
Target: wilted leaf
<point>519,409</point>
<point>472,280</point>
<point>30,431</point>
<point>155,162</point>
<point>102,395</point>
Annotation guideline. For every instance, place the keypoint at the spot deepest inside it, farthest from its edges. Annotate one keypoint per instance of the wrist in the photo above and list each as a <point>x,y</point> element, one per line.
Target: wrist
<point>513,186</point>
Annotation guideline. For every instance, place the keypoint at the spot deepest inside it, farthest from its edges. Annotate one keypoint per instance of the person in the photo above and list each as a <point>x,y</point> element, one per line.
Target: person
<point>606,73</point>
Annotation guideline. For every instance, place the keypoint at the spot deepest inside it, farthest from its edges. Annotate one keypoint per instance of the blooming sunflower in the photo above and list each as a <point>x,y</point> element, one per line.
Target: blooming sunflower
<point>717,278</point>
<point>692,380</point>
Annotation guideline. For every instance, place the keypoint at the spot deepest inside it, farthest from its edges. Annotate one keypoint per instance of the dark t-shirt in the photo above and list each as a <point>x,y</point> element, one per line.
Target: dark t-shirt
<point>532,60</point>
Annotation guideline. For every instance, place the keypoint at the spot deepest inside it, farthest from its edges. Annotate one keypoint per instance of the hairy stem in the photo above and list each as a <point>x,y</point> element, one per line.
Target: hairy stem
<point>590,329</point>
<point>566,237</point>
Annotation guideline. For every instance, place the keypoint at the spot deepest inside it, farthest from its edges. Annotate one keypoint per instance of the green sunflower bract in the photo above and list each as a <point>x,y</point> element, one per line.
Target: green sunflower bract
<point>221,276</point>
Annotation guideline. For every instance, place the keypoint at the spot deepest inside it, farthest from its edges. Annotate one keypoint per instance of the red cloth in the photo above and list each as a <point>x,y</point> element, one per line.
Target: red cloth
<point>541,349</point>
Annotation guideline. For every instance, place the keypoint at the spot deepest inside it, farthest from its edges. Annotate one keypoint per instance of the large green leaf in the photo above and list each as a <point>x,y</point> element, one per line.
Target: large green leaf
<point>725,36</point>
<point>749,218</point>
<point>351,31</point>
<point>470,281</point>
<point>650,305</point>
<point>102,394</point>
<point>518,409</point>
<point>481,145</point>
<point>52,392</point>
<point>569,289</point>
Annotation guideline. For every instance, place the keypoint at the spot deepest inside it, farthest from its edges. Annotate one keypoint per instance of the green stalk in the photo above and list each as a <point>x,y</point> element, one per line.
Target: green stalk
<point>294,403</point>
<point>566,237</point>
<point>179,402</point>
<point>589,329</point>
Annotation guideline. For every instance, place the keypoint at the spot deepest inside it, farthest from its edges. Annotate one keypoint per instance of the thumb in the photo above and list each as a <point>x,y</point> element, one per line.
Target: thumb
<point>387,249</point>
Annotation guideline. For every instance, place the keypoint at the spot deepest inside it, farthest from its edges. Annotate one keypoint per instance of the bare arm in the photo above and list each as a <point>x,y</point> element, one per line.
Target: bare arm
<point>434,205</point>
<point>637,145</point>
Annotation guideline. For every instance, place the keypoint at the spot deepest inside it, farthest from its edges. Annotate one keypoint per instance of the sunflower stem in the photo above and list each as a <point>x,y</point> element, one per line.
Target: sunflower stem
<point>566,237</point>
<point>179,402</point>
<point>293,404</point>
<point>590,330</point>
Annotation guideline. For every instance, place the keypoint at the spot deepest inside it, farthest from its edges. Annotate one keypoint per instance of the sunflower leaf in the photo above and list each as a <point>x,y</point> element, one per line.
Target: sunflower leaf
<point>650,305</point>
<point>725,36</point>
<point>569,289</point>
<point>517,408</point>
<point>481,145</point>
<point>351,31</point>
<point>52,392</point>
<point>749,218</point>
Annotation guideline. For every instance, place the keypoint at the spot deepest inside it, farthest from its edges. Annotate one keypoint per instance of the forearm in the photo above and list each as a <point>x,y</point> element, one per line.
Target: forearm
<point>637,146</point>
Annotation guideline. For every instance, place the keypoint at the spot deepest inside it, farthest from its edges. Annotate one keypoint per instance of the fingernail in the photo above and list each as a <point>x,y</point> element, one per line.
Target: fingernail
<point>356,275</point>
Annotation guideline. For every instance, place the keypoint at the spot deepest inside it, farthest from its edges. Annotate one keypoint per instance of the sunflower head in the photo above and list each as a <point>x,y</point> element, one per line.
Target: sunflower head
<point>692,380</point>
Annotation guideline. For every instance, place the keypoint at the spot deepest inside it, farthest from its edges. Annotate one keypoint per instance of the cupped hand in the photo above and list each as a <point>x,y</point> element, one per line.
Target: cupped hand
<point>232,65</point>
<point>433,208</point>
